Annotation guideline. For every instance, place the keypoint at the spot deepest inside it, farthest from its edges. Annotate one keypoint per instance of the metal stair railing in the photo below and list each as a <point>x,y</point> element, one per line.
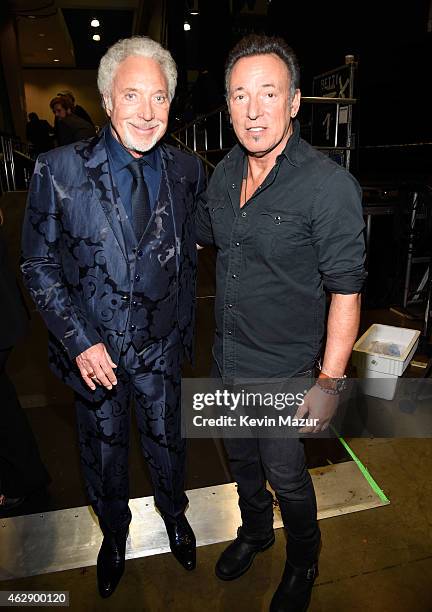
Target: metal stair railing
<point>12,149</point>
<point>212,133</point>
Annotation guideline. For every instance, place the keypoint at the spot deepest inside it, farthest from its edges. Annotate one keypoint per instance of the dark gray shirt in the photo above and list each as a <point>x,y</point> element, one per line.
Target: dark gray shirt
<point>300,233</point>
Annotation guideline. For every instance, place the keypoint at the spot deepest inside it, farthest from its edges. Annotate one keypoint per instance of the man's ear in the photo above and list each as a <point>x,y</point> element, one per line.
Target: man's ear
<point>295,104</point>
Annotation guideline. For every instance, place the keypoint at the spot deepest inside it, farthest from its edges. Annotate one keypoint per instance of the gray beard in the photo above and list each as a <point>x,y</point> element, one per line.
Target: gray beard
<point>133,146</point>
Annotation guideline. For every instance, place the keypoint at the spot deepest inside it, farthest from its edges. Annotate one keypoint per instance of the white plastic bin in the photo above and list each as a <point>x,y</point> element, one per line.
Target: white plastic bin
<point>380,372</point>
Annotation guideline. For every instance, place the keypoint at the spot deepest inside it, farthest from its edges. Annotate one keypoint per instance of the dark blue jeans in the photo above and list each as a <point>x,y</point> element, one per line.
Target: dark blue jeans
<point>281,462</point>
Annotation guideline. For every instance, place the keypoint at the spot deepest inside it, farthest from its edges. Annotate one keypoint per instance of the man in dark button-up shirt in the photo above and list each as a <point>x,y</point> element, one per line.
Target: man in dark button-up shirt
<point>287,225</point>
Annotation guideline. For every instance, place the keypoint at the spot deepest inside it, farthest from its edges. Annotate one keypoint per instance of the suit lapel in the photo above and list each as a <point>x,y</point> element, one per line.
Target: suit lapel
<point>104,190</point>
<point>173,190</point>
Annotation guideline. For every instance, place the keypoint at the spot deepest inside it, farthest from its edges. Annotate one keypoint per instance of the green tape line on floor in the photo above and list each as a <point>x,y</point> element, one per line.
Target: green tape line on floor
<point>363,469</point>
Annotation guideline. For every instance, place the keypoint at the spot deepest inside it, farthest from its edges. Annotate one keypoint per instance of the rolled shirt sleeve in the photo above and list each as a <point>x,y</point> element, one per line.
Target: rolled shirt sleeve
<point>338,233</point>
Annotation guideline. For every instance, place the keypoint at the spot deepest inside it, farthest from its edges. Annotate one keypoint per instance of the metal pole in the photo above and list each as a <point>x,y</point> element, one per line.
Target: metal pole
<point>205,135</point>
<point>336,126</point>
<point>12,164</point>
<point>410,249</point>
<point>368,235</point>
<point>428,309</point>
<point>350,117</point>
<point>220,130</point>
<point>5,162</point>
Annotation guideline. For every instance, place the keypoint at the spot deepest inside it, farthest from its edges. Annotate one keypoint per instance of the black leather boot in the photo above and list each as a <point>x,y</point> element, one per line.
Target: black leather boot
<point>182,541</point>
<point>9,503</point>
<point>237,558</point>
<point>295,589</point>
<point>111,560</point>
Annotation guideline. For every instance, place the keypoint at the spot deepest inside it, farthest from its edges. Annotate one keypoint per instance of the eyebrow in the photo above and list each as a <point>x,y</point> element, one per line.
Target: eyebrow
<point>241,88</point>
<point>159,91</point>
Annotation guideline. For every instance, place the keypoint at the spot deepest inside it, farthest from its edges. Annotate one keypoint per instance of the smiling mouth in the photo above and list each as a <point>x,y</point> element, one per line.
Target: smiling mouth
<point>144,128</point>
<point>255,129</point>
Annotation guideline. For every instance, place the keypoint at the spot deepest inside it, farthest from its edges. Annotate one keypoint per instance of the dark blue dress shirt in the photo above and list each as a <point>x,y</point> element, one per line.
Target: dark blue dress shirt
<point>120,157</point>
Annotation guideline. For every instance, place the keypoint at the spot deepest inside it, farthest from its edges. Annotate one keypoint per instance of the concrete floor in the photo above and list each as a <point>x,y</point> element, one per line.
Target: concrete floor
<point>378,559</point>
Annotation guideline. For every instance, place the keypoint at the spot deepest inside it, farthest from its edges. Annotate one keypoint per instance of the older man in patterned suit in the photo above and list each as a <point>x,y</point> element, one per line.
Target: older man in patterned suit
<point>109,258</point>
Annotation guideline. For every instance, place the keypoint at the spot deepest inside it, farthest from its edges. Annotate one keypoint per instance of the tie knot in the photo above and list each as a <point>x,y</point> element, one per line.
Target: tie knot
<point>135,167</point>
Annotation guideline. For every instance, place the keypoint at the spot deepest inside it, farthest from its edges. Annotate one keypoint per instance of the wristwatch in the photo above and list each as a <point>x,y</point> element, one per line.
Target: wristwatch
<point>330,385</point>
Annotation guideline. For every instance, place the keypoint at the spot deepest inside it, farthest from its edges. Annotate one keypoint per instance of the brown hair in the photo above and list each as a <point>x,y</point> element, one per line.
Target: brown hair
<point>260,44</point>
<point>63,101</point>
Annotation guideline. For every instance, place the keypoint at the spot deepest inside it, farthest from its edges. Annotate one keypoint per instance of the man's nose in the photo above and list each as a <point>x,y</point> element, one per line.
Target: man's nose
<point>146,110</point>
<point>254,108</point>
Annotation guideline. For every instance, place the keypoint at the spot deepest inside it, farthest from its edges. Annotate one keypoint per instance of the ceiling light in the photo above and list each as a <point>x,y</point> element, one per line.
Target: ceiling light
<point>56,60</point>
<point>194,12</point>
<point>186,26</point>
<point>50,48</point>
<point>41,35</point>
<point>31,16</point>
<point>96,37</point>
<point>94,23</point>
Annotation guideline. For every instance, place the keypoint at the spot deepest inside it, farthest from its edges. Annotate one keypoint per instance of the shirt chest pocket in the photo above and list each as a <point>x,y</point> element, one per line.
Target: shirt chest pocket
<point>217,211</point>
<point>281,235</point>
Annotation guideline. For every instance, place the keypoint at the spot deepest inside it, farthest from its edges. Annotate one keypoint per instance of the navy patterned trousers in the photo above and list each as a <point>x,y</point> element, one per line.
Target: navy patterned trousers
<point>152,378</point>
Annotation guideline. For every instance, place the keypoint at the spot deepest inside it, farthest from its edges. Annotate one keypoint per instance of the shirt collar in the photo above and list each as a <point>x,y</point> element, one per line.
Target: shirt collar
<point>290,151</point>
<point>291,147</point>
<point>121,157</point>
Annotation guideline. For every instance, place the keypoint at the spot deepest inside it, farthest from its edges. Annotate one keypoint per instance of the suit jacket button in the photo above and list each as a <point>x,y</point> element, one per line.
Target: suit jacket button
<point>137,277</point>
<point>120,333</point>
<point>139,253</point>
<point>132,327</point>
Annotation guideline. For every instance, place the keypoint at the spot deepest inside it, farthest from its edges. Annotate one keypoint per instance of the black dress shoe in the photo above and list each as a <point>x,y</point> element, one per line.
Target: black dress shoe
<point>9,503</point>
<point>238,557</point>
<point>295,589</point>
<point>182,542</point>
<point>111,560</point>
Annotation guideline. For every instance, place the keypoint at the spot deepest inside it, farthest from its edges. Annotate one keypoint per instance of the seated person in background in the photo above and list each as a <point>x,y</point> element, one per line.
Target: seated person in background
<point>39,133</point>
<point>69,127</point>
<point>77,110</point>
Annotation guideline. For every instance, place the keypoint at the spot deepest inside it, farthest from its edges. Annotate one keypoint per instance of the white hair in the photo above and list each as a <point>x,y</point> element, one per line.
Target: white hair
<point>136,45</point>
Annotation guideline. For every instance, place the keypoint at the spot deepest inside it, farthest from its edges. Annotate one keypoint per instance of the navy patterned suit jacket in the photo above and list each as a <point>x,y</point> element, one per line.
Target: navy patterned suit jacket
<point>75,260</point>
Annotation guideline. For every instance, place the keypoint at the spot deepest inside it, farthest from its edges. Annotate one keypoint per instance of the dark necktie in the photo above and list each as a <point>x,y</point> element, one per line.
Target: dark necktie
<point>140,200</point>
